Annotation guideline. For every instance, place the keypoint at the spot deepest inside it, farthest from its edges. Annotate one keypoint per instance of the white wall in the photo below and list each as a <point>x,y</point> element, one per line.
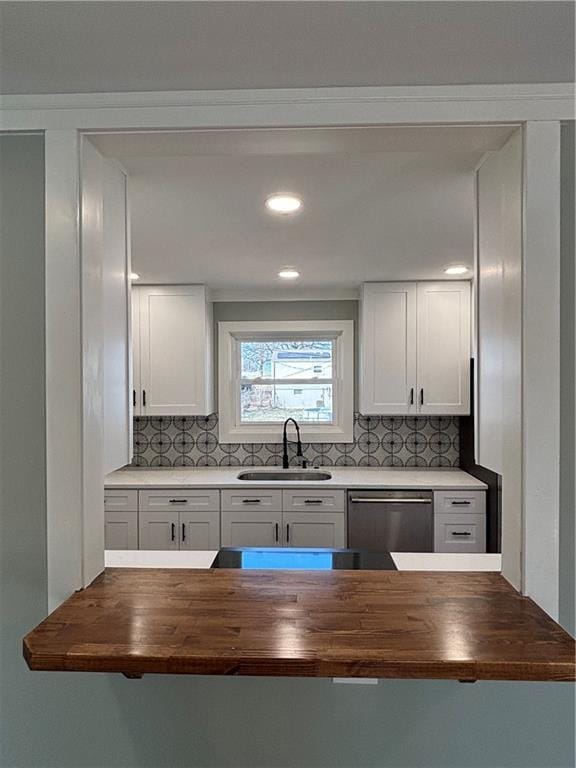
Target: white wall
<point>116,320</point>
<point>499,340</point>
<point>105,341</point>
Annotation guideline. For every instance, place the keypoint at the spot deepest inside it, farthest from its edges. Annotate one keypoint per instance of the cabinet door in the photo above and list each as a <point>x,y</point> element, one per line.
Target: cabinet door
<point>388,348</point>
<point>199,530</point>
<point>314,529</point>
<point>121,530</point>
<point>136,378</point>
<point>251,528</point>
<point>444,348</point>
<point>175,351</point>
<point>159,530</point>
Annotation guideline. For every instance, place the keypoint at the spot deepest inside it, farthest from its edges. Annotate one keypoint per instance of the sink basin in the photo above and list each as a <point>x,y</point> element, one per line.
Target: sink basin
<point>285,475</point>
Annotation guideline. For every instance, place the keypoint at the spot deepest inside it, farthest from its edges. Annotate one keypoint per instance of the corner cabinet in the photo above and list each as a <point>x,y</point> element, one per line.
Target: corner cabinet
<point>415,348</point>
<point>172,351</point>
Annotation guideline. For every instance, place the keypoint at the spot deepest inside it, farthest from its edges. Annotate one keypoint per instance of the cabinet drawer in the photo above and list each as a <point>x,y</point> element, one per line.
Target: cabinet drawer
<point>180,500</point>
<point>459,533</point>
<point>257,498</point>
<point>313,500</point>
<point>120,500</point>
<point>462,502</point>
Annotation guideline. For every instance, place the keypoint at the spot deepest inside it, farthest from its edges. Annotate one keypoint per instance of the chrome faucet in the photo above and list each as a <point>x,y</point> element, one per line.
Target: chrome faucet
<point>285,459</point>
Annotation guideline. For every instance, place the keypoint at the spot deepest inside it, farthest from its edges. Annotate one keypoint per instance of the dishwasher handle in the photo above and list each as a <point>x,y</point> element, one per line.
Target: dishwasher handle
<point>388,500</point>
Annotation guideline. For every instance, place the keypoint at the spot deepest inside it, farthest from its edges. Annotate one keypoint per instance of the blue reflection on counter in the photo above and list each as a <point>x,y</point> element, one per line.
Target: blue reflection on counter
<point>303,561</point>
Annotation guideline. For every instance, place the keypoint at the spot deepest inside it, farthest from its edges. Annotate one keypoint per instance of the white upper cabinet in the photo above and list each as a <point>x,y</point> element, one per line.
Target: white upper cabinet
<point>173,362</point>
<point>443,342</point>
<point>388,348</point>
<point>415,348</point>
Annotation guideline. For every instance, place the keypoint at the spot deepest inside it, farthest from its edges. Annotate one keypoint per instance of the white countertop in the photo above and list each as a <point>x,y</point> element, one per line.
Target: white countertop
<point>405,561</point>
<point>342,477</point>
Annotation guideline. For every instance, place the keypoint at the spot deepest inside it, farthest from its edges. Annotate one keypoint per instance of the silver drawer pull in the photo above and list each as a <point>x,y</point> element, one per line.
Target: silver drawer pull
<point>313,501</point>
<point>251,501</point>
<point>461,533</point>
<point>390,501</point>
<point>178,501</point>
<point>460,503</point>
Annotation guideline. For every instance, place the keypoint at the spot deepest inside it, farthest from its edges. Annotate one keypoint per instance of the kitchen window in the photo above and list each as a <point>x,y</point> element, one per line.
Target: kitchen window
<point>269,372</point>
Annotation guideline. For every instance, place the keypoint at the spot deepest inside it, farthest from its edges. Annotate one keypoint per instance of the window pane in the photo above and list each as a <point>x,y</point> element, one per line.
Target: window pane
<point>308,359</point>
<point>277,402</point>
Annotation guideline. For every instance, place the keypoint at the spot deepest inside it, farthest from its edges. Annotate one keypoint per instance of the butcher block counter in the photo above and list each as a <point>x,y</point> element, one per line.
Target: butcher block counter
<point>363,624</point>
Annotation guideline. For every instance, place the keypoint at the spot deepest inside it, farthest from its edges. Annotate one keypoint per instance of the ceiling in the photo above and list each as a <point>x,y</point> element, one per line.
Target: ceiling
<point>65,47</point>
<point>378,204</point>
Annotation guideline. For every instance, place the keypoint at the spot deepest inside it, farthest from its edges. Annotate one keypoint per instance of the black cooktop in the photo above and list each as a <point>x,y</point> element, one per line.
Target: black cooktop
<point>293,559</point>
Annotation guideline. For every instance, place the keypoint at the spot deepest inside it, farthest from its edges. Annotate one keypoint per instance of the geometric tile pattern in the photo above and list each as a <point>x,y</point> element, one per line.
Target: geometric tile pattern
<point>379,441</point>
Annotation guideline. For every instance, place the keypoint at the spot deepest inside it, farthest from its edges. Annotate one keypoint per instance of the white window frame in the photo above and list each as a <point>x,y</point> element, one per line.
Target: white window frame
<point>230,334</point>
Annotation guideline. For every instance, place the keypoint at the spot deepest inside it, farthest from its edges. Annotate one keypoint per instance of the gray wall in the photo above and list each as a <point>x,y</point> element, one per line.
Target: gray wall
<point>59,720</point>
<point>567,422</point>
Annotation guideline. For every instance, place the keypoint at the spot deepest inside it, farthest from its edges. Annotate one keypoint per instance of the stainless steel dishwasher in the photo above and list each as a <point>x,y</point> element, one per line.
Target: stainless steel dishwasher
<point>391,521</point>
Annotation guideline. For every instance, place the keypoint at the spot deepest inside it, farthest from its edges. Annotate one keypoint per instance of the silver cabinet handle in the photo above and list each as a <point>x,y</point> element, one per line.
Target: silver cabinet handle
<point>173,531</point>
<point>422,396</point>
<point>390,501</point>
<point>411,395</point>
<point>287,532</point>
<point>277,528</point>
<point>183,531</point>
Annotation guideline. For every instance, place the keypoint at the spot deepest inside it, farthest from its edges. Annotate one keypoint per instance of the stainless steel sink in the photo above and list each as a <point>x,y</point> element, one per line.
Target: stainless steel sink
<point>285,475</point>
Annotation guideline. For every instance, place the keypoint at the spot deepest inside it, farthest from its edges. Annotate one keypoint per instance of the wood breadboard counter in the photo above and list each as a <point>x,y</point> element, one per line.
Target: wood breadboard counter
<point>379,624</point>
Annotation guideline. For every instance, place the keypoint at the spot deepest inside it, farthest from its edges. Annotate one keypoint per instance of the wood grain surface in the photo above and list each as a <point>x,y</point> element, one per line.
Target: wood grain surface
<point>383,624</point>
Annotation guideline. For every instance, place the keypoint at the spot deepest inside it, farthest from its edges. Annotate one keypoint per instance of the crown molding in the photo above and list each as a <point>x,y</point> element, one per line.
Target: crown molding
<point>288,107</point>
<point>360,95</point>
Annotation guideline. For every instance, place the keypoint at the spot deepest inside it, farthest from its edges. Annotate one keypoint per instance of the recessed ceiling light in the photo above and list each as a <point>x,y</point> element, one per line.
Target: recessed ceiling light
<point>283,204</point>
<point>134,276</point>
<point>288,273</point>
<point>456,269</point>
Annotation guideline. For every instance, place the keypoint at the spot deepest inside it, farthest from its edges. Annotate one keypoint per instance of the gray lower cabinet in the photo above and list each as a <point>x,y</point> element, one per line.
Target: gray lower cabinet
<point>251,528</point>
<point>314,529</point>
<point>460,521</point>
<point>288,529</point>
<point>179,530</point>
<point>120,530</point>
<point>121,519</point>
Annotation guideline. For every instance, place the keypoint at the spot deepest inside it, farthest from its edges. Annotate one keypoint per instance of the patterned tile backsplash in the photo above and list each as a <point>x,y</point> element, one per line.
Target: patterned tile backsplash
<point>379,441</point>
